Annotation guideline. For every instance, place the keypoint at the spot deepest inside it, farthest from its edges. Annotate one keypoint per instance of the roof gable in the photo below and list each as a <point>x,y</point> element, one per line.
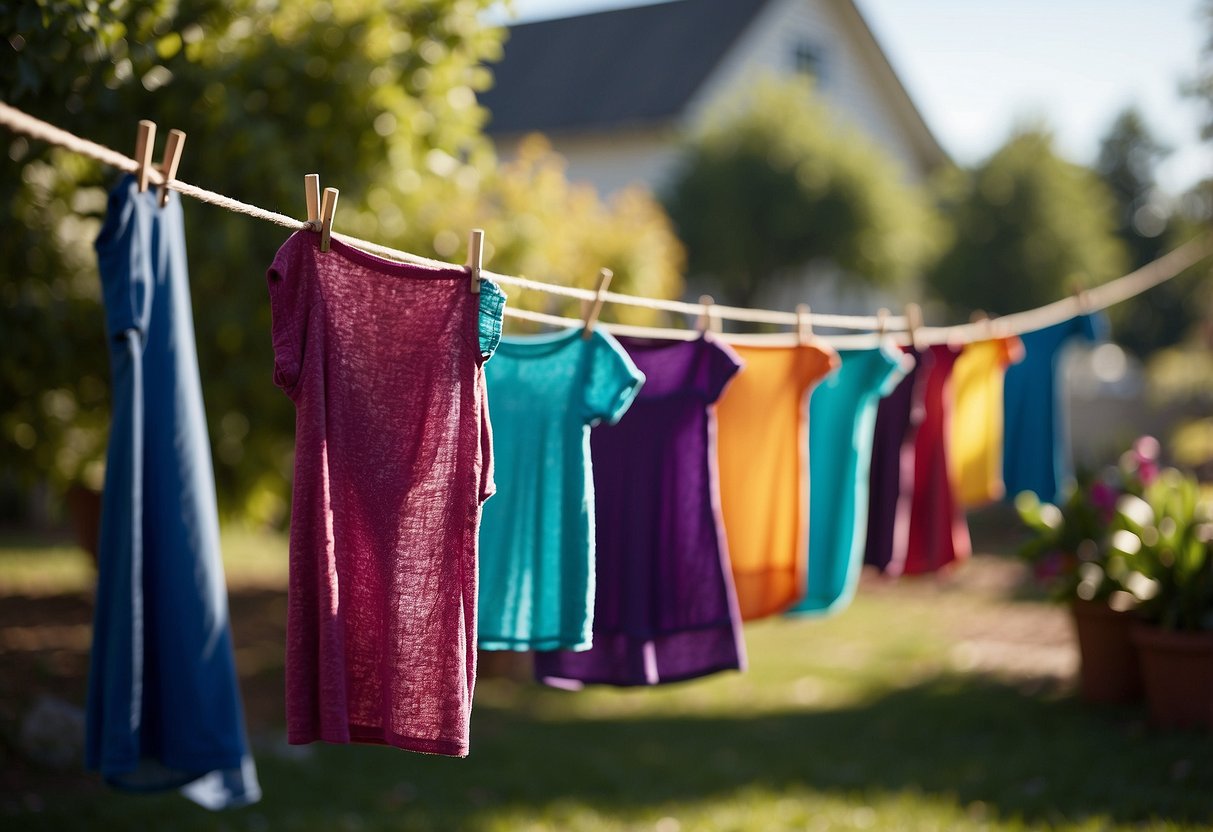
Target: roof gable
<point>638,65</point>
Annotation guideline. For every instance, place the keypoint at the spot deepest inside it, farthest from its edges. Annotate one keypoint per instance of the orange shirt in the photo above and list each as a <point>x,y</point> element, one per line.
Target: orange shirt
<point>763,433</point>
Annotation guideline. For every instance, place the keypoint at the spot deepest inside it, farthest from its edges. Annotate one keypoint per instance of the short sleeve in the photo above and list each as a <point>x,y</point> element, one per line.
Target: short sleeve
<point>816,361</point>
<point>613,380</point>
<point>891,368</point>
<point>719,366</point>
<point>492,310</point>
<point>287,279</point>
<point>1010,350</point>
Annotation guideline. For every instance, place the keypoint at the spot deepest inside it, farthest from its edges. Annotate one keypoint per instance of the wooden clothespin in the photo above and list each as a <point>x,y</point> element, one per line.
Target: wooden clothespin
<point>913,322</point>
<point>145,140</point>
<point>604,281</point>
<point>983,323</point>
<point>882,322</point>
<point>328,207</point>
<point>1080,295</point>
<point>311,194</point>
<point>168,168</point>
<point>709,321</point>
<point>804,324</point>
<point>475,258</point>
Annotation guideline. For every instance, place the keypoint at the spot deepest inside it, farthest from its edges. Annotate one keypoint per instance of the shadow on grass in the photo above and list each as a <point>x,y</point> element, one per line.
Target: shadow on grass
<point>958,740</point>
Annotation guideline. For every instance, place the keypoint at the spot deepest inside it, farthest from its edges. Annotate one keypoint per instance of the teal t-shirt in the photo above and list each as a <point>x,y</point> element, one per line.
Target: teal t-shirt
<point>842,419</point>
<point>537,533</point>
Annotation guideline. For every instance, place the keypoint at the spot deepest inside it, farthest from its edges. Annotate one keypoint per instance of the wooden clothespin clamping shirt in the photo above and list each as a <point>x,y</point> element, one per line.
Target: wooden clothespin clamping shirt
<point>914,323</point>
<point>591,316</point>
<point>983,325</point>
<point>882,323</point>
<point>709,321</point>
<point>1082,299</point>
<point>145,140</point>
<point>804,325</point>
<point>475,259</point>
<point>320,212</point>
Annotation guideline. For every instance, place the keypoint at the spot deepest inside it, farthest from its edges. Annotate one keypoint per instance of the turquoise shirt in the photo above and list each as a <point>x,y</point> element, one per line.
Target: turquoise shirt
<point>842,419</point>
<point>537,533</point>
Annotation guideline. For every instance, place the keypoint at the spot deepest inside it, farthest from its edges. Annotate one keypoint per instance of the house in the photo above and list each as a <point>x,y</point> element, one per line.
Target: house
<point>615,91</point>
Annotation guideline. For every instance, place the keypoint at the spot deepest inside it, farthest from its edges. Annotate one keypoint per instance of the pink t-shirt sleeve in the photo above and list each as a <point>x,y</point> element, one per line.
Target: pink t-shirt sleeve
<point>289,314</point>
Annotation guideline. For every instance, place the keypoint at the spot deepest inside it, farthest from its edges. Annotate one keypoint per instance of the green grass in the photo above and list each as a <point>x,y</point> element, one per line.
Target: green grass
<point>866,721</point>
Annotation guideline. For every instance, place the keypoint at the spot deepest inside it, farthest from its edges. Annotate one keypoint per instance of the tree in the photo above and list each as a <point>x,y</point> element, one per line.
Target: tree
<point>773,182</point>
<point>1128,158</point>
<point>378,96</point>
<point>1028,228</point>
<point>1202,86</point>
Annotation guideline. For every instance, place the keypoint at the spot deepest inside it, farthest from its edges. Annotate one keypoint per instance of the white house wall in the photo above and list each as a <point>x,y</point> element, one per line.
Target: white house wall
<point>848,84</point>
<point>612,161</point>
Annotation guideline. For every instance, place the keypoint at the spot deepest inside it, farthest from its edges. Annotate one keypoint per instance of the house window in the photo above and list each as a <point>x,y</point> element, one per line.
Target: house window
<point>809,58</point>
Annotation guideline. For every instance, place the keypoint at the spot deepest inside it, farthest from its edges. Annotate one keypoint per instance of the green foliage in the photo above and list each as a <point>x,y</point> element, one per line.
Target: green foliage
<point>377,97</point>
<point>773,182</point>
<point>1070,548</point>
<point>1165,539</point>
<point>1029,227</point>
<point>1128,159</point>
<point>1202,86</point>
<point>538,224</point>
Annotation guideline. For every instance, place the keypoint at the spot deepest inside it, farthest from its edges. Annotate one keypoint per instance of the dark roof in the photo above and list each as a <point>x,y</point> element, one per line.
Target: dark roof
<point>628,66</point>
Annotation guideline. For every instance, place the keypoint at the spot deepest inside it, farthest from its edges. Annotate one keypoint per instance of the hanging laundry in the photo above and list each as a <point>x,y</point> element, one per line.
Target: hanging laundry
<point>891,478</point>
<point>976,443</point>
<point>537,534</point>
<point>842,421</point>
<point>1036,450</point>
<point>665,608</point>
<point>384,362</point>
<point>763,473</point>
<point>163,702</point>
<point>938,532</point>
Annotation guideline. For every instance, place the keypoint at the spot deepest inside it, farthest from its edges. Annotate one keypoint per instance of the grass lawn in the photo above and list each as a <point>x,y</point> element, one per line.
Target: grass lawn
<point>941,705</point>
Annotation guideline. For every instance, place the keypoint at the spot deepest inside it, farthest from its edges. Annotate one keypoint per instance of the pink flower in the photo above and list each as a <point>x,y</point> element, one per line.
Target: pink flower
<point>1104,497</point>
<point>1049,567</point>
<point>1147,471</point>
<point>1146,449</point>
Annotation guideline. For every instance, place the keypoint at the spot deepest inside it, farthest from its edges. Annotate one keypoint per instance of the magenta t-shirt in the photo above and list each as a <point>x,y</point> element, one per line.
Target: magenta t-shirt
<point>384,362</point>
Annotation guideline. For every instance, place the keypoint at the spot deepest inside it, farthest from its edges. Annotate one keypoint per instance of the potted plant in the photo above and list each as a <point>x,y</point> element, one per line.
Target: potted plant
<point>1164,538</point>
<point>1070,551</point>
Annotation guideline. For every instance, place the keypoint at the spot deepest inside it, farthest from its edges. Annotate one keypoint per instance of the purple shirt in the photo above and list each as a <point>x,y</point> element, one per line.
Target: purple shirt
<point>665,608</point>
<point>892,472</point>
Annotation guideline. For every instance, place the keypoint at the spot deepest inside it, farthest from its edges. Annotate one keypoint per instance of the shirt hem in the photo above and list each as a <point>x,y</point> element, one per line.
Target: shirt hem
<point>697,673</point>
<point>370,735</point>
<point>576,644</point>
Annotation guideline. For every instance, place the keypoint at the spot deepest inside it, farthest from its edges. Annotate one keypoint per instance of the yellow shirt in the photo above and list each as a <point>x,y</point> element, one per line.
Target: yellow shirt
<point>762,424</point>
<point>976,451</point>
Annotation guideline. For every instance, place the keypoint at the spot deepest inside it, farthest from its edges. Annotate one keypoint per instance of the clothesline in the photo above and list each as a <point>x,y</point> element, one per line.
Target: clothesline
<point>1094,299</point>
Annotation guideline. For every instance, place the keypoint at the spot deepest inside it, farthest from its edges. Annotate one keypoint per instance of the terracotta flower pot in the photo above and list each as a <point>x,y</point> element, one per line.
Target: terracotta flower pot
<point>1108,672</point>
<point>1177,668</point>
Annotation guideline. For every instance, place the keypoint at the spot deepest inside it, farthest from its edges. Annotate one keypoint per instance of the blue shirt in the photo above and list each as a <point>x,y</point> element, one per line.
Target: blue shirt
<point>1036,451</point>
<point>163,705</point>
<point>842,421</point>
<point>537,533</point>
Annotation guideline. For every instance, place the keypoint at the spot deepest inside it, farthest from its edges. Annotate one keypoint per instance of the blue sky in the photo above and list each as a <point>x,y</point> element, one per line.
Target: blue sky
<point>975,69</point>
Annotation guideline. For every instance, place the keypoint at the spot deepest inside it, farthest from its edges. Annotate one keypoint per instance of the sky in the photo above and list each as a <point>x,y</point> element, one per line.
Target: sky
<point>976,68</point>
